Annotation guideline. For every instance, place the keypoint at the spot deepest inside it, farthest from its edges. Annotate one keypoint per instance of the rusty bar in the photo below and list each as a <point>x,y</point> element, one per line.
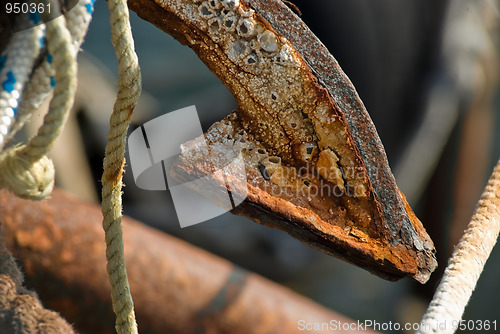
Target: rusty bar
<point>176,286</point>
<point>383,235</point>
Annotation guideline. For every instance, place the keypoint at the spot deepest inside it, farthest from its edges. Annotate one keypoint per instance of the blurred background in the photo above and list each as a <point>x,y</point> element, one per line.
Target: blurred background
<point>426,70</point>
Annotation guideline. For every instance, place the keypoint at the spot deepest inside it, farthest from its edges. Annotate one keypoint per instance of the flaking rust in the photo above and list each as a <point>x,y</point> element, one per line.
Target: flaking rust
<point>315,165</point>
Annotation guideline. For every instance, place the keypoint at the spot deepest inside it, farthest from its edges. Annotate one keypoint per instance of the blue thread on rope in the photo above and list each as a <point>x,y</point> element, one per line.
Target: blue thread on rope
<point>49,58</point>
<point>35,17</point>
<point>90,7</point>
<point>8,84</point>
<point>52,82</point>
<point>15,111</point>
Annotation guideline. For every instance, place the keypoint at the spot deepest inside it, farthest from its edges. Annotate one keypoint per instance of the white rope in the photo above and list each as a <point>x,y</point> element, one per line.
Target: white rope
<point>26,170</point>
<point>466,263</point>
<point>129,90</point>
<point>42,80</point>
<point>15,64</point>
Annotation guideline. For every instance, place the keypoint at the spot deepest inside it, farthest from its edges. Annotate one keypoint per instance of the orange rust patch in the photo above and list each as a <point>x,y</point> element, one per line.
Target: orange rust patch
<point>37,239</point>
<point>287,111</point>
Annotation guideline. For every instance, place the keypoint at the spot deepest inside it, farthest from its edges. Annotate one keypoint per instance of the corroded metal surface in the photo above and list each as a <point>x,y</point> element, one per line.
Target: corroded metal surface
<point>297,106</point>
<point>177,288</point>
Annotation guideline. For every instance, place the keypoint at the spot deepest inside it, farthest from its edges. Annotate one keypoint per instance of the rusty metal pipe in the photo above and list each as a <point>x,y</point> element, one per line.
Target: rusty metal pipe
<point>177,288</point>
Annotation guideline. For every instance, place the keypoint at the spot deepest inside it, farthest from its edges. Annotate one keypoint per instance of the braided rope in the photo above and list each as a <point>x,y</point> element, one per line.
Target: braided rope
<point>129,88</point>
<point>41,82</point>
<point>466,263</point>
<point>15,66</point>
<point>26,170</point>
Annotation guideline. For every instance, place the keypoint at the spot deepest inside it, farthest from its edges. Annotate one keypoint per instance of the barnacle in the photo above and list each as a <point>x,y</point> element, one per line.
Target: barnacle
<point>206,11</point>
<point>268,41</point>
<point>271,164</point>
<point>230,20</point>
<point>214,4</point>
<point>240,47</point>
<point>246,27</point>
<point>306,151</point>
<point>253,58</point>
<point>295,120</point>
<point>230,4</point>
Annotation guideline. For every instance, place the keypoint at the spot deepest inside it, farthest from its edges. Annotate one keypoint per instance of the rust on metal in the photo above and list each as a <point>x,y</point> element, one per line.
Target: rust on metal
<point>176,287</point>
<point>297,106</point>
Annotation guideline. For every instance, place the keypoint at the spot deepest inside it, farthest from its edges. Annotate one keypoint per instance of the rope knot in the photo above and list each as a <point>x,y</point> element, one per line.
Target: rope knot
<point>25,177</point>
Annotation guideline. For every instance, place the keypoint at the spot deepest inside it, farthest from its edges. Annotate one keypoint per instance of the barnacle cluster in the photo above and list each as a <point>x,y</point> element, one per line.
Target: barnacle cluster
<point>288,121</point>
<point>245,40</point>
